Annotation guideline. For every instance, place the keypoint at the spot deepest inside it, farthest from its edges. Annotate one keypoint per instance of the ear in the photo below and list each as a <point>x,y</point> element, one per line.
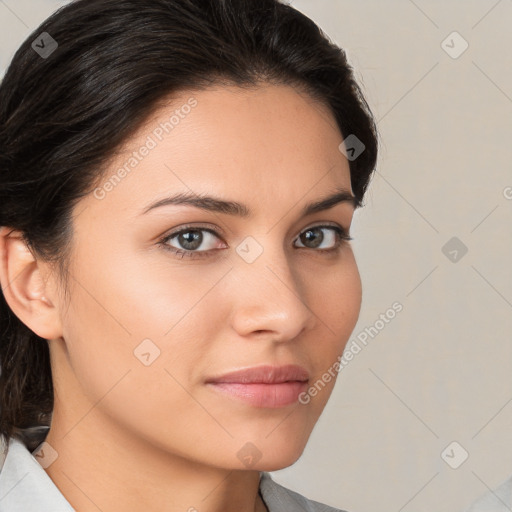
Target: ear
<point>22,277</point>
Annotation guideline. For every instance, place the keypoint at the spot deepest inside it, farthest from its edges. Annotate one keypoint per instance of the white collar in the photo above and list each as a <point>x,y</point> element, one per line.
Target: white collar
<point>25,485</point>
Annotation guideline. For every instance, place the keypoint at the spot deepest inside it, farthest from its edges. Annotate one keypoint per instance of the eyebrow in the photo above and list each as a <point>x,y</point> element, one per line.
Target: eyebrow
<point>218,205</point>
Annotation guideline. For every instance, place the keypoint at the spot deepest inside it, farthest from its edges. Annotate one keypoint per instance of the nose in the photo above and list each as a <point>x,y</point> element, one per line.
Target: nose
<point>270,297</point>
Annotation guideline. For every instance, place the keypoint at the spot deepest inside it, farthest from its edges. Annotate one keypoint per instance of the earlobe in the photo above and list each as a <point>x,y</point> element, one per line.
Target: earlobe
<point>44,299</point>
<point>24,288</point>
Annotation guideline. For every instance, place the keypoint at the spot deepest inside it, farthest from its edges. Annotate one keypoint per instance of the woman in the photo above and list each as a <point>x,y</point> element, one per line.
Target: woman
<point>177,184</point>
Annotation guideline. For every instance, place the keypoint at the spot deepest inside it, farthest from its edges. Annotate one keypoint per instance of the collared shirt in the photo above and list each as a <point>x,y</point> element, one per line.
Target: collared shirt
<point>497,500</point>
<point>26,487</point>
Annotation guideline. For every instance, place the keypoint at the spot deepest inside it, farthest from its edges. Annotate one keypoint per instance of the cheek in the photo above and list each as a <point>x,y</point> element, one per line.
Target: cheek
<point>132,314</point>
<point>118,325</point>
<point>336,301</point>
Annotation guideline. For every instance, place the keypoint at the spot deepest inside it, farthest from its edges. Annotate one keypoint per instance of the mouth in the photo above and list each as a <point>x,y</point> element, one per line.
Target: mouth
<point>270,396</point>
<point>263,386</point>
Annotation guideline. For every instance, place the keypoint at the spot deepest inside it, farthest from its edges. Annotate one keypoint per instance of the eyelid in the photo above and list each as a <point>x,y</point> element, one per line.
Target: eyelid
<point>327,224</point>
<point>211,228</point>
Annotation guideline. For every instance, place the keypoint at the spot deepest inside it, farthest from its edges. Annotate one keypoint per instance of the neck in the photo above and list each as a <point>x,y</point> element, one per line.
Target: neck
<point>103,467</point>
<point>112,472</point>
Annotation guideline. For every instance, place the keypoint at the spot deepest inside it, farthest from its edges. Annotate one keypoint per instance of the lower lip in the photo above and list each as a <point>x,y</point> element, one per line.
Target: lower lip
<point>263,395</point>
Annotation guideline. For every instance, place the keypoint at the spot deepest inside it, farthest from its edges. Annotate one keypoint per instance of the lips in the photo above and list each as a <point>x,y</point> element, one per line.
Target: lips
<point>268,387</point>
<point>264,375</point>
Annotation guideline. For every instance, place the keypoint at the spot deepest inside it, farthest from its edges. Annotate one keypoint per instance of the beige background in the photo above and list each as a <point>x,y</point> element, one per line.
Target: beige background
<point>441,370</point>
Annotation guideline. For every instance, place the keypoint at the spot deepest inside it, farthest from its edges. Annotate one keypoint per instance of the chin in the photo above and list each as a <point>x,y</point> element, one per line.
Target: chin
<point>280,457</point>
<point>275,463</point>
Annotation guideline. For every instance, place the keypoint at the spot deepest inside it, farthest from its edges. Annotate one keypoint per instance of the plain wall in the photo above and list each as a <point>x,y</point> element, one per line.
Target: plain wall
<point>441,370</point>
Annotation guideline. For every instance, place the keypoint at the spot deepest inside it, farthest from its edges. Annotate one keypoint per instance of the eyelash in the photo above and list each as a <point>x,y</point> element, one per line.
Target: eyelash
<point>342,237</point>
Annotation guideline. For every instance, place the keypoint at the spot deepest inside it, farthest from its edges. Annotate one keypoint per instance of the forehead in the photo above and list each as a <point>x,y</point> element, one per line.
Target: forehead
<point>273,143</point>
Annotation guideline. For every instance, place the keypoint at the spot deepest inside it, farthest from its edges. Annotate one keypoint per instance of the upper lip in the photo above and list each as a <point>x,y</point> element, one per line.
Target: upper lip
<point>265,374</point>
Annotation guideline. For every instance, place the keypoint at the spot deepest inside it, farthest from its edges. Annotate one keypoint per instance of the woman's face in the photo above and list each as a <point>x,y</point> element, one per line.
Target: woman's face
<point>146,327</point>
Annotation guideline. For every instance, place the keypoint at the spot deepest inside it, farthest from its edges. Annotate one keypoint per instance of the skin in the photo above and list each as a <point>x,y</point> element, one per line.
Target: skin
<point>132,437</point>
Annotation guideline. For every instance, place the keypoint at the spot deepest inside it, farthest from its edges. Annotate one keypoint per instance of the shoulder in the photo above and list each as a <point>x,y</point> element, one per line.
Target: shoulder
<point>497,500</point>
<point>280,499</point>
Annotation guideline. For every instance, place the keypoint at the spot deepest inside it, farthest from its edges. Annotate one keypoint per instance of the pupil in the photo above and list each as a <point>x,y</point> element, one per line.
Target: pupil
<point>315,238</point>
<point>191,239</point>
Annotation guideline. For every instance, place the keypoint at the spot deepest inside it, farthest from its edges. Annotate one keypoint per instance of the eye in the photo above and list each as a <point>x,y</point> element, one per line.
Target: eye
<point>313,237</point>
<point>193,243</point>
<point>191,239</point>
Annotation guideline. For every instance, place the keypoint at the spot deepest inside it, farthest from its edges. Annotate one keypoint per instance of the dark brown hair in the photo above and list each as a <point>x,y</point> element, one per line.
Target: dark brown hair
<point>64,114</point>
